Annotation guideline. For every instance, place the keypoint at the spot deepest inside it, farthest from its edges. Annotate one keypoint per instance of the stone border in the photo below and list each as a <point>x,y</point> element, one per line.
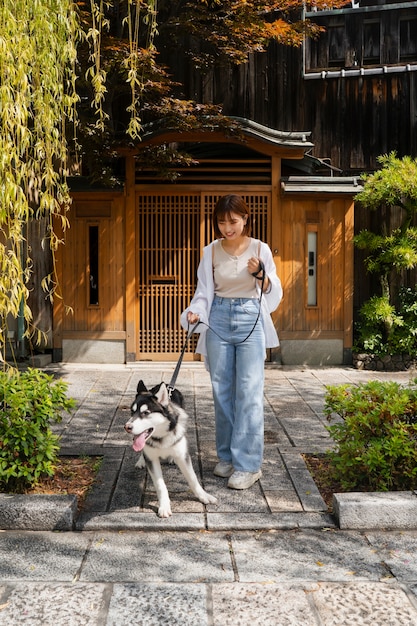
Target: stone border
<point>387,363</point>
<point>394,510</point>
<point>37,512</point>
<point>352,511</point>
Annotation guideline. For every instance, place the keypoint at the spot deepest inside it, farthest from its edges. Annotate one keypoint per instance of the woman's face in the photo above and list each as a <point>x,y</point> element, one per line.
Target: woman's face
<point>231,225</point>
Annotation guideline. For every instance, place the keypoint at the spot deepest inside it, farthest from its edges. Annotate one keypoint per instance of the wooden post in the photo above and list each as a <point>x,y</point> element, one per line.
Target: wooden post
<point>131,261</point>
<point>58,310</point>
<point>348,279</point>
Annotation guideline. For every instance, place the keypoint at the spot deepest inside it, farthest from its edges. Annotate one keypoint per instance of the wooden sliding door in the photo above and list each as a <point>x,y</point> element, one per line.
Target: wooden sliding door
<point>172,229</point>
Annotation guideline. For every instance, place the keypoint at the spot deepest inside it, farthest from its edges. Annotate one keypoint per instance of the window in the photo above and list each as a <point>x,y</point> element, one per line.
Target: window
<point>93,264</point>
<point>311,266</point>
<point>371,42</point>
<point>408,40</point>
<point>336,46</point>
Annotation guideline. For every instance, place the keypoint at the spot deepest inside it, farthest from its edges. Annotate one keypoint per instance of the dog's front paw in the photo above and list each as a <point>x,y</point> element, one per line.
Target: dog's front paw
<point>164,511</point>
<point>140,463</point>
<point>208,499</point>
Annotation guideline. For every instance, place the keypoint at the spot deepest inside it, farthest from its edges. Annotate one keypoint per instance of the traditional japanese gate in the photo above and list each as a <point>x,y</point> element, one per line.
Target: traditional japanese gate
<point>172,229</point>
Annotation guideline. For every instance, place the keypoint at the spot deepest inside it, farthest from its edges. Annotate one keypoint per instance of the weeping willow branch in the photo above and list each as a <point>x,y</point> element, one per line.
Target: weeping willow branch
<point>37,98</point>
<point>95,73</point>
<point>38,54</point>
<point>133,62</point>
<point>141,15</point>
<point>133,22</point>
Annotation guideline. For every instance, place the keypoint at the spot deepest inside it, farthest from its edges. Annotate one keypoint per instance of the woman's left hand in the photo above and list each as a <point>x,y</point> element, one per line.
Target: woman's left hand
<point>255,268</point>
<point>254,265</point>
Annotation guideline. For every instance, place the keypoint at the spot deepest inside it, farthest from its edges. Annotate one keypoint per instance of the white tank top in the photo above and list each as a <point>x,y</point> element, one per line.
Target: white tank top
<point>230,273</point>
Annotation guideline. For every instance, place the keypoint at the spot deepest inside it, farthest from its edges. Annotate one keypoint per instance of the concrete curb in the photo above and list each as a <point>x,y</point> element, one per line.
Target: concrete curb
<point>37,512</point>
<point>394,510</point>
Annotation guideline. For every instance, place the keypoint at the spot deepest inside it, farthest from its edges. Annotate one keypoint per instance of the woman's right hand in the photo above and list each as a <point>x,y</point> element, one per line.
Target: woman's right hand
<point>192,318</point>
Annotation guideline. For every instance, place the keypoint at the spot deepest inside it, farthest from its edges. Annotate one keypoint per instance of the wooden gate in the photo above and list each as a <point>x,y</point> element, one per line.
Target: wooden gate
<point>173,226</point>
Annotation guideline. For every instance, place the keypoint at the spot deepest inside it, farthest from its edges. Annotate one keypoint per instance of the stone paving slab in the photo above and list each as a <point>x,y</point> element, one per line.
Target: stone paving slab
<point>365,604</point>
<point>306,555</point>
<point>280,521</point>
<point>398,550</point>
<point>157,557</point>
<point>165,605</point>
<point>49,604</point>
<point>133,520</point>
<point>262,605</point>
<point>41,556</point>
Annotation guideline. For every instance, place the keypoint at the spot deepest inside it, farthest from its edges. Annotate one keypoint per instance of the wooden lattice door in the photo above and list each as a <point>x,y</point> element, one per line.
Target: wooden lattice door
<point>172,230</point>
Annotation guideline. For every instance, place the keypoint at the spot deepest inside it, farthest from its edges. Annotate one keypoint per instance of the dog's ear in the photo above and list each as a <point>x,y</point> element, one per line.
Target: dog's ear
<point>141,387</point>
<point>162,395</point>
<point>154,390</point>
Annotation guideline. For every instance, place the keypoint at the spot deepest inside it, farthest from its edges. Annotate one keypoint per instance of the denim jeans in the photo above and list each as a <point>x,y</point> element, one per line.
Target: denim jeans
<point>237,377</point>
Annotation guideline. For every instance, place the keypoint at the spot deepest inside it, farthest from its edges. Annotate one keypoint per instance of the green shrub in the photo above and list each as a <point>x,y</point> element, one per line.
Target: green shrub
<point>376,437</point>
<point>29,402</point>
<point>385,329</point>
<point>406,335</point>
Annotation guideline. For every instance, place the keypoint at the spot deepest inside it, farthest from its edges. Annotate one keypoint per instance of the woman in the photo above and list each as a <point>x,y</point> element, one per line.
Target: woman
<point>230,276</point>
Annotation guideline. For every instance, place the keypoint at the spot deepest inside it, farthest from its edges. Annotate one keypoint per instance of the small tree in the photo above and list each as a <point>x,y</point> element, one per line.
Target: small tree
<point>394,185</point>
<point>383,328</point>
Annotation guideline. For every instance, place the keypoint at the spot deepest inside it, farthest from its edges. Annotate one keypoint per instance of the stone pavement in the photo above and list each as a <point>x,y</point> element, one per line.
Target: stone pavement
<point>271,555</point>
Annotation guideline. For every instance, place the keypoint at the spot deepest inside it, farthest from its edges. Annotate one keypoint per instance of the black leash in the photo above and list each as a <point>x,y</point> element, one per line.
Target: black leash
<point>190,331</point>
<point>171,384</point>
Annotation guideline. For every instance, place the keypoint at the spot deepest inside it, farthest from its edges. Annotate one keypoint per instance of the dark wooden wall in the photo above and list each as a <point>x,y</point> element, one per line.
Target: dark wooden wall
<point>353,119</point>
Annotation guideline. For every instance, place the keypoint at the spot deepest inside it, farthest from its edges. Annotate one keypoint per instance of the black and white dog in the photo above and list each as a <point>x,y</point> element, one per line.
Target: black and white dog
<point>158,424</point>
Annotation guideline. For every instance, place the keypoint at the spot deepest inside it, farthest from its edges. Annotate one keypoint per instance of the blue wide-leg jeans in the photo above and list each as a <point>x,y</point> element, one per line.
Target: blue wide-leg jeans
<point>237,377</point>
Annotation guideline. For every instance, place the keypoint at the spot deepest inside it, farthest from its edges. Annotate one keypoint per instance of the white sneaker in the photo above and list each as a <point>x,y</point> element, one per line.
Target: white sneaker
<point>243,480</point>
<point>223,469</point>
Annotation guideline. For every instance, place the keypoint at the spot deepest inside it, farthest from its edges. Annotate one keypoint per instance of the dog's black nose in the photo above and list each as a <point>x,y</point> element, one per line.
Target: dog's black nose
<point>128,427</point>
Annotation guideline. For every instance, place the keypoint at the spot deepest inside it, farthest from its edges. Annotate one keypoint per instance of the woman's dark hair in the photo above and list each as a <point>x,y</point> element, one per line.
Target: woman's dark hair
<point>227,205</point>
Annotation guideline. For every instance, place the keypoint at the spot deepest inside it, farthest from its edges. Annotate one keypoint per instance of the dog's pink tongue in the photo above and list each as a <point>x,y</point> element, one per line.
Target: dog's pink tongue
<point>139,442</point>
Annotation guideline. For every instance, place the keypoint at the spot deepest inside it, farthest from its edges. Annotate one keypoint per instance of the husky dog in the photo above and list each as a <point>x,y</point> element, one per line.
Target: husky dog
<point>158,425</point>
